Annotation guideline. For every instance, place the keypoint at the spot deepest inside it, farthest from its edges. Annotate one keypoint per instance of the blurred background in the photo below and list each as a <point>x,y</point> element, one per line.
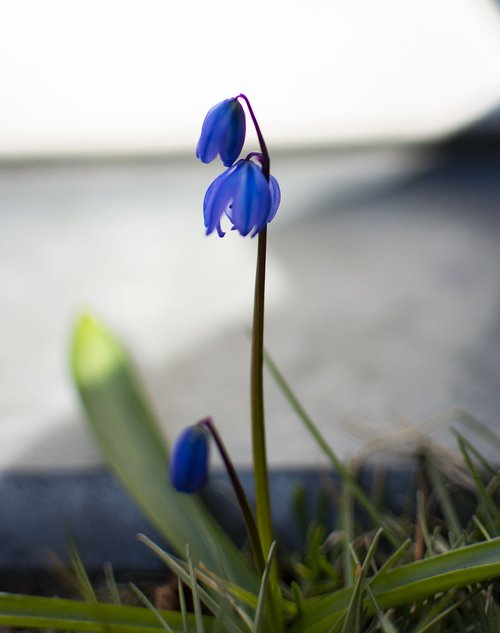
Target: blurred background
<point>383,122</point>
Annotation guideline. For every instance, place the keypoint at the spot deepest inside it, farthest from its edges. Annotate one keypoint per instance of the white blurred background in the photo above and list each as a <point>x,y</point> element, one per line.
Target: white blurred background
<point>383,286</point>
<point>123,75</point>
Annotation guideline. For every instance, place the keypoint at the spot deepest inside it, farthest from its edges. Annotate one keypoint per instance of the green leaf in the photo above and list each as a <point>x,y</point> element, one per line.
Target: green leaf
<point>258,626</point>
<point>111,583</point>
<point>182,602</point>
<point>408,583</point>
<point>194,592</point>
<point>222,587</point>
<point>83,581</point>
<point>444,498</point>
<point>352,621</point>
<point>135,449</point>
<point>386,626</point>
<point>491,511</point>
<point>149,605</point>
<point>54,613</point>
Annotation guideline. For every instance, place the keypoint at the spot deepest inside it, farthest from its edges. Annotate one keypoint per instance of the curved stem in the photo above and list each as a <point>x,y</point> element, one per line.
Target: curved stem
<point>266,162</point>
<point>248,517</point>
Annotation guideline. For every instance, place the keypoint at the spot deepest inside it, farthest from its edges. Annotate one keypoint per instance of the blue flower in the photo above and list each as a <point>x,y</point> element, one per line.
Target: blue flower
<point>245,196</point>
<point>189,460</point>
<point>223,133</point>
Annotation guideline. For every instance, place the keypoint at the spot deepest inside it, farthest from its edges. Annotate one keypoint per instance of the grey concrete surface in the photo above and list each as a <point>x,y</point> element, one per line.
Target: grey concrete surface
<point>382,305</point>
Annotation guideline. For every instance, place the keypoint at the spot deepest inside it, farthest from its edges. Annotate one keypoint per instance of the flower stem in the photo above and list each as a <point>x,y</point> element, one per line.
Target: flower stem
<point>261,477</point>
<point>266,162</point>
<point>248,517</point>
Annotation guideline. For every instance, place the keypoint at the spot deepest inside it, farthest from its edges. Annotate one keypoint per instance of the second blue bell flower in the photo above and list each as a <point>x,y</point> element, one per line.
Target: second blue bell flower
<point>243,194</point>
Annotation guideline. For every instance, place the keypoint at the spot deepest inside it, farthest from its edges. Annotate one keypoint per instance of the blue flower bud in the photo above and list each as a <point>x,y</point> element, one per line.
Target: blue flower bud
<point>245,196</point>
<point>223,133</point>
<point>189,459</point>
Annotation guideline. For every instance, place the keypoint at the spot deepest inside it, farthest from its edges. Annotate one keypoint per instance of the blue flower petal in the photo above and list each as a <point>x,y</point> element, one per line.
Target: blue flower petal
<point>251,199</point>
<point>223,132</point>
<point>211,133</point>
<point>189,460</point>
<point>217,200</point>
<point>231,148</point>
<point>275,197</point>
<point>244,195</point>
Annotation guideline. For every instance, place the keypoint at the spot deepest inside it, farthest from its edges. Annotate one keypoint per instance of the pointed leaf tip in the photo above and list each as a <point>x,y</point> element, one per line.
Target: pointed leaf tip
<point>95,353</point>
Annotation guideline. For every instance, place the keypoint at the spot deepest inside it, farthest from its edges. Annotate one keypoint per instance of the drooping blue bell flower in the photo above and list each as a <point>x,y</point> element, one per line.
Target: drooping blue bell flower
<point>223,133</point>
<point>189,459</point>
<point>244,195</point>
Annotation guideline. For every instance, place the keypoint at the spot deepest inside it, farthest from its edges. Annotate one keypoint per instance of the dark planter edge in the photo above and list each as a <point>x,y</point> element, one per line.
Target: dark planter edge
<point>41,512</point>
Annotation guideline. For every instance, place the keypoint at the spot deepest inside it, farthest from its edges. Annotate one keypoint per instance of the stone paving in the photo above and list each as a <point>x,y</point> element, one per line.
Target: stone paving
<point>383,298</point>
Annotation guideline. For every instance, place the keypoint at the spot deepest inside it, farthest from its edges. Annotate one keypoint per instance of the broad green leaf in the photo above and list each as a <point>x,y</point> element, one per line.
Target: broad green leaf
<point>408,583</point>
<point>54,613</point>
<point>135,449</point>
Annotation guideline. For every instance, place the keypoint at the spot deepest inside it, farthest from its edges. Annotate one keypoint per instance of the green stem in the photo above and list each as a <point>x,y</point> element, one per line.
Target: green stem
<point>248,517</point>
<point>261,478</point>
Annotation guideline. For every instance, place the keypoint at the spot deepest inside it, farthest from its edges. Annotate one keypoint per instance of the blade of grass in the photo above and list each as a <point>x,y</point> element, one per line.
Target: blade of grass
<point>111,583</point>
<point>393,559</point>
<point>179,570</point>
<point>458,622</point>
<point>182,603</point>
<point>441,616</point>
<point>492,513</point>
<point>422,529</point>
<point>133,446</point>
<point>477,454</point>
<point>385,624</point>
<point>217,584</point>
<point>346,521</point>
<point>195,593</point>
<point>149,605</point>
<point>481,528</point>
<point>84,584</point>
<point>261,602</point>
<point>356,489</point>
<point>409,583</point>
<point>353,616</point>
<point>297,596</point>
<point>223,587</point>
<point>481,429</point>
<point>452,521</point>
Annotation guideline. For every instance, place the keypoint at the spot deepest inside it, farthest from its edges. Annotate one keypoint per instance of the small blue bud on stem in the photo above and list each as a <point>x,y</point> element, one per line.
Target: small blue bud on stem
<point>189,461</point>
<point>189,472</point>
